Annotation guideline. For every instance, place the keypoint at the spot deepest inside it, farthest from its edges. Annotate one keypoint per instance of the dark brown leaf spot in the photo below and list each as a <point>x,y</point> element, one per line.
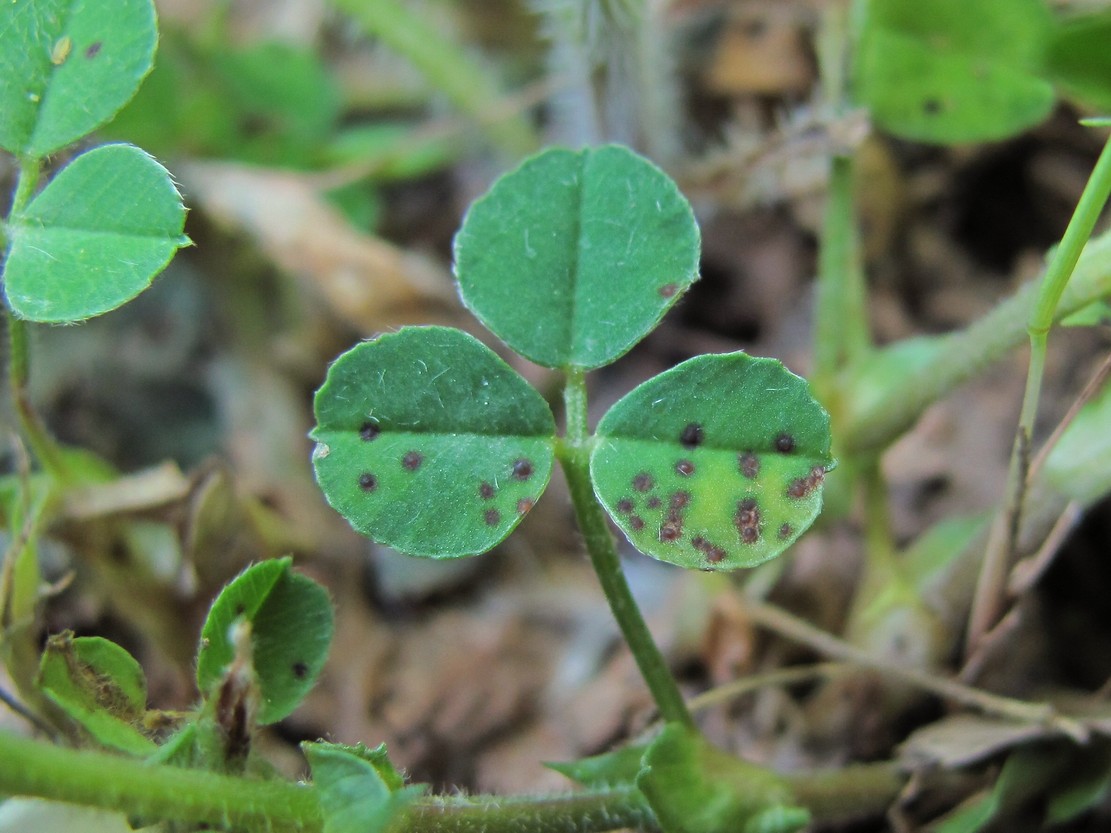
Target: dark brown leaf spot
<point>784,443</point>
<point>714,554</point>
<point>670,532</point>
<point>412,460</point>
<point>747,520</point>
<point>643,482</point>
<point>93,49</point>
<point>931,106</point>
<point>522,469</point>
<point>749,464</point>
<point>486,490</point>
<point>492,517</point>
<point>300,670</point>
<point>368,482</point>
<point>524,505</point>
<point>668,290</point>
<point>803,486</point>
<point>679,500</point>
<point>685,468</point>
<point>369,431</point>
<point>750,535</point>
<point>636,522</point>
<point>691,435</point>
<point>624,506</point>
<point>653,502</point>
<point>785,532</point>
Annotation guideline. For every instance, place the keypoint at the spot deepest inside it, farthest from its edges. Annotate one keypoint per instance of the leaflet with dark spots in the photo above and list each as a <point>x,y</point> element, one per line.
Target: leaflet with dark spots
<point>486,490</point>
<point>369,431</point>
<point>803,486</point>
<point>643,482</point>
<point>749,464</point>
<point>412,460</point>
<point>368,482</point>
<point>624,506</point>
<point>524,505</point>
<point>492,517</point>
<point>691,436</point>
<point>522,469</point>
<point>685,468</point>
<point>93,49</point>
<point>784,443</point>
<point>714,554</point>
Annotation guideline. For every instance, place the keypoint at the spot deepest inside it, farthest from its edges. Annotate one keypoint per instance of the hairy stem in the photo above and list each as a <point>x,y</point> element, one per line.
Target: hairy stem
<point>574,456</point>
<point>990,595</point>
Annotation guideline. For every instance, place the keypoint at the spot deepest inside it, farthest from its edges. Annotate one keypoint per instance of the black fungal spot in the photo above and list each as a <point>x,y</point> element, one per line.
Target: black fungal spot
<point>691,436</point>
<point>784,443</point>
<point>93,49</point>
<point>749,464</point>
<point>368,482</point>
<point>300,670</point>
<point>685,468</point>
<point>492,517</point>
<point>931,106</point>
<point>653,503</point>
<point>522,469</point>
<point>412,460</point>
<point>486,491</point>
<point>668,290</point>
<point>524,505</point>
<point>624,506</point>
<point>643,482</point>
<point>785,532</point>
<point>636,522</point>
<point>369,431</point>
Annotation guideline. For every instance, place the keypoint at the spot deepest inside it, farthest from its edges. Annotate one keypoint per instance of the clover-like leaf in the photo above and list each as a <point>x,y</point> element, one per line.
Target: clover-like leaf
<point>359,789</point>
<point>717,463</point>
<point>574,257</point>
<point>67,66</point>
<point>291,628</point>
<point>100,686</point>
<point>429,443</point>
<point>95,236</point>
<point>953,71</point>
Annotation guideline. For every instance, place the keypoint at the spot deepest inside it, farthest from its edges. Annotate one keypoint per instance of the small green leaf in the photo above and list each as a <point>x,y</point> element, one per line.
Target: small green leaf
<point>429,443</point>
<point>693,787</point>
<point>354,795</point>
<point>291,629</point>
<point>94,238</point>
<point>574,257</point>
<point>67,66</point>
<point>621,766</point>
<point>100,686</point>
<point>952,71</point>
<point>716,464</point>
<point>1079,58</point>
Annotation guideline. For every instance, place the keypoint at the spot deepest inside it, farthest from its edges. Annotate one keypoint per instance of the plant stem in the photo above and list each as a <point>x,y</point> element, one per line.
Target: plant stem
<point>574,456</point>
<point>447,67</point>
<point>96,779</point>
<point>989,601</point>
<point>962,355</point>
<point>596,810</point>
